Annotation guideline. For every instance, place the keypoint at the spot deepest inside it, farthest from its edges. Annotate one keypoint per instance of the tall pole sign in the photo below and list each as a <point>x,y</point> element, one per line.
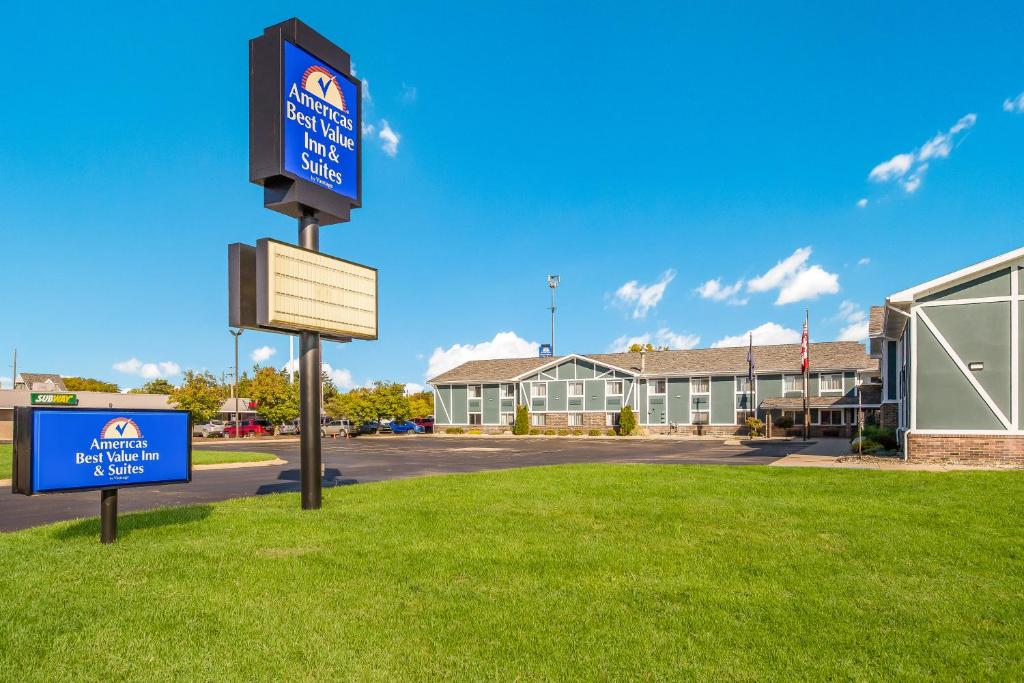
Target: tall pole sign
<point>305,149</point>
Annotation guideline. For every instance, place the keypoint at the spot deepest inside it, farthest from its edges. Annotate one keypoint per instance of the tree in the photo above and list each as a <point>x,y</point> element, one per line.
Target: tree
<point>156,386</point>
<point>356,405</point>
<point>90,384</point>
<point>277,401</point>
<point>522,424</point>
<point>421,404</point>
<point>390,401</point>
<point>627,421</point>
<point>199,394</point>
<point>637,347</point>
<point>330,389</point>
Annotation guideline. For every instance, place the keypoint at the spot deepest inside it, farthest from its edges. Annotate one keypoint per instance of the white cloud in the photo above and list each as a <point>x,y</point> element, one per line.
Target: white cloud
<point>643,297</point>
<point>809,283</point>
<point>389,138</point>
<point>714,290</point>
<point>768,333</point>
<point>409,93</point>
<point>413,388</point>
<point>862,202</point>
<point>908,168</point>
<point>504,345</point>
<point>366,85</point>
<point>1014,105</point>
<point>864,261</point>
<point>795,280</point>
<point>855,322</point>
<point>6,383</point>
<point>262,353</point>
<point>663,337</point>
<point>341,377</point>
<point>133,366</point>
<point>368,129</point>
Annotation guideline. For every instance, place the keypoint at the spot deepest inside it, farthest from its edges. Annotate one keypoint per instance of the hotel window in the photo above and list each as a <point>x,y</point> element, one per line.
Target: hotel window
<point>796,416</point>
<point>474,419</point>
<point>658,386</point>
<point>538,419</point>
<point>792,383</point>
<point>700,400</point>
<point>700,385</point>
<point>575,419</point>
<point>508,390</point>
<point>611,419</point>
<point>742,415</point>
<point>508,419</point>
<point>475,391</point>
<point>831,417</point>
<point>742,385</point>
<point>832,382</point>
<point>539,390</point>
<point>613,387</point>
<point>575,389</point>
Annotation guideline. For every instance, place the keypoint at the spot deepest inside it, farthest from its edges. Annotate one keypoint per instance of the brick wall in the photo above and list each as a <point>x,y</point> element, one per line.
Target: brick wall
<point>889,415</point>
<point>966,449</point>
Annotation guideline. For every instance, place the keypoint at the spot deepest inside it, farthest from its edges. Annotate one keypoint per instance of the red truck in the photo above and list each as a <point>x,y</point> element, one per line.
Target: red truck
<point>246,428</point>
<point>426,422</point>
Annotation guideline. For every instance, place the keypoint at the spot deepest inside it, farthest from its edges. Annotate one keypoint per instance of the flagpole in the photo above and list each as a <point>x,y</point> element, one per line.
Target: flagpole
<point>806,368</point>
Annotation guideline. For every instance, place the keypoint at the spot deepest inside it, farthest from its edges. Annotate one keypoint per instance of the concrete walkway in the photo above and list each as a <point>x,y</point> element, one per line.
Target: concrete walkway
<point>826,453</point>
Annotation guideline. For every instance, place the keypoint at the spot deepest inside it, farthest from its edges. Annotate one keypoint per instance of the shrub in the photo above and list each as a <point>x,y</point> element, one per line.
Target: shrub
<point>868,446</point>
<point>783,422</point>
<point>577,432</point>
<point>534,431</point>
<point>610,432</point>
<point>594,432</point>
<point>563,432</point>
<point>474,431</point>
<point>755,426</point>
<point>522,424</point>
<point>627,421</point>
<point>549,432</point>
<point>455,430</point>
<point>883,436</point>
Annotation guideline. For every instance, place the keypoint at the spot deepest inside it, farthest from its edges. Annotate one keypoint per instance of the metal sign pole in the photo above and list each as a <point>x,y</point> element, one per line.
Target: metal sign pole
<point>108,515</point>
<point>309,388</point>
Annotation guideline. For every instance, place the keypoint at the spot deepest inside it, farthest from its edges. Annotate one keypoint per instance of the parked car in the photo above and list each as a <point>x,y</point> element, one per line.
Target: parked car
<point>336,428</point>
<point>209,429</point>
<point>368,428</point>
<point>426,422</point>
<point>289,427</point>
<point>405,426</point>
<point>247,428</point>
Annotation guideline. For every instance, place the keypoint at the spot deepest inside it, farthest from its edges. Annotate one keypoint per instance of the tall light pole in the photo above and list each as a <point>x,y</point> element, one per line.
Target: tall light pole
<point>238,427</point>
<point>553,281</point>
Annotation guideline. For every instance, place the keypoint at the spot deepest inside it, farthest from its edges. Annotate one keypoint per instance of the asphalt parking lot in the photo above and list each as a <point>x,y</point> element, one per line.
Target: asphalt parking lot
<point>367,459</point>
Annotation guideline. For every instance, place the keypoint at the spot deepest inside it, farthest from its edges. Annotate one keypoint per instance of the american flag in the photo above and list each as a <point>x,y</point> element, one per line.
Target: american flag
<point>804,360</point>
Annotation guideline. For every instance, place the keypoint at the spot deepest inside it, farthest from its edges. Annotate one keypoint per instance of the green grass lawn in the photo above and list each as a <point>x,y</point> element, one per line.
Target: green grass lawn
<point>570,572</point>
<point>198,458</point>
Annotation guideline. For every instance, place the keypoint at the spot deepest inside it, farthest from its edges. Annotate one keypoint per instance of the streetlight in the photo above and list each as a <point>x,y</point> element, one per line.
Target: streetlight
<point>553,281</point>
<point>238,427</point>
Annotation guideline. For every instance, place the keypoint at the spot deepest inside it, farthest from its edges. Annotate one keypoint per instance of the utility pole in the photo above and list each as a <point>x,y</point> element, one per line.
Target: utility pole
<point>238,426</point>
<point>553,281</point>
<point>14,373</point>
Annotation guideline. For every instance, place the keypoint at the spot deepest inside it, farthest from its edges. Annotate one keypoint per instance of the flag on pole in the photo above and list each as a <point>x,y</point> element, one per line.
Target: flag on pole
<point>804,359</point>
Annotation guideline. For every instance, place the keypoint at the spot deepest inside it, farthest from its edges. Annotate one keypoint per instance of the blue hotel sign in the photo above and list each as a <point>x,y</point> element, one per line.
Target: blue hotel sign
<point>321,144</point>
<point>86,449</point>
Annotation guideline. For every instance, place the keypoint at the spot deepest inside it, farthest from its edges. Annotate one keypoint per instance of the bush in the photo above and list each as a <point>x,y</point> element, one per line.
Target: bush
<point>455,430</point>
<point>534,431</point>
<point>594,432</point>
<point>783,422</point>
<point>627,421</point>
<point>474,431</point>
<point>522,424</point>
<point>563,432</point>
<point>755,426</point>
<point>577,432</point>
<point>549,432</point>
<point>880,435</point>
<point>610,432</point>
<point>867,446</point>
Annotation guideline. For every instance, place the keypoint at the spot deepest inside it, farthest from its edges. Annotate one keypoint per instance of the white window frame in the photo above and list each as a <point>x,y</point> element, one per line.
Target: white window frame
<point>538,419</point>
<point>612,419</point>
<point>508,390</point>
<point>534,386</point>
<point>797,383</point>
<point>694,394</point>
<point>479,416</point>
<point>507,419</point>
<point>842,417</point>
<point>832,376</point>
<point>705,379</point>
<point>575,419</point>
<point>582,386</point>
<point>609,382</point>
<point>652,386</point>
<point>479,390</point>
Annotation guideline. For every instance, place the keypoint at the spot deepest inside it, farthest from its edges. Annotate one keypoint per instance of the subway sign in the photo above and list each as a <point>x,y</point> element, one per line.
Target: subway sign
<point>60,399</point>
<point>59,450</point>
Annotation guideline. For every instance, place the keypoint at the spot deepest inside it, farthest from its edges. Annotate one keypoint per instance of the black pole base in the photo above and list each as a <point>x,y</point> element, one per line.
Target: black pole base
<point>108,515</point>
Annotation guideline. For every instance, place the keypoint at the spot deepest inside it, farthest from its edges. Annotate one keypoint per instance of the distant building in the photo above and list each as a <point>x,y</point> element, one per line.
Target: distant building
<point>32,381</point>
<point>12,398</point>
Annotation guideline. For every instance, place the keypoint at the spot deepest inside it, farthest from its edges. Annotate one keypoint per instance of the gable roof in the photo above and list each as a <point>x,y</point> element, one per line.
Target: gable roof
<point>729,360</point>
<point>876,321</point>
<point>911,293</point>
<point>31,379</point>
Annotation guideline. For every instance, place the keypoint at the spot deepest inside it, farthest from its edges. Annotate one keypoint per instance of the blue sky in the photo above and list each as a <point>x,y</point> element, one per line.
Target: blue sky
<point>692,173</point>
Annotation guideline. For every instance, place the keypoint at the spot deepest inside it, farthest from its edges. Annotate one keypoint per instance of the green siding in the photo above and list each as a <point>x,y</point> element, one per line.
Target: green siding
<point>567,370</point>
<point>491,404</point>
<point>769,386</point>
<point>849,382</point>
<point>584,369</point>
<point>508,405</point>
<point>723,389</point>
<point>627,386</point>
<point>575,403</point>
<point>980,332</point>
<point>945,399</point>
<point>641,400</point>
<point>679,400</point>
<point>460,415</point>
<point>657,410</point>
<point>993,284</point>
<point>556,396</point>
<point>614,403</point>
<point>814,385</point>
<point>594,394</point>
<point>444,396</point>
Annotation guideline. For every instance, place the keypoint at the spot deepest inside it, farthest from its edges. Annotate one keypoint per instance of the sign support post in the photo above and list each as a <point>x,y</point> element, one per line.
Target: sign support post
<point>108,515</point>
<point>309,388</point>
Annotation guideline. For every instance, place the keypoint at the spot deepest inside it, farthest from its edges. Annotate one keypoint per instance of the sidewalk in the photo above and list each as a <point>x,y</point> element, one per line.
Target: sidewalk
<point>826,453</point>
